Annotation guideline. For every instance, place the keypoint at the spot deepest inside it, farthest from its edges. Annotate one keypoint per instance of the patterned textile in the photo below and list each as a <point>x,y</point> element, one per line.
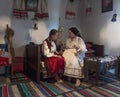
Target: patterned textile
<point>88,7</point>
<point>23,12</point>
<point>44,89</point>
<point>109,90</point>
<point>16,8</point>
<point>71,9</point>
<point>102,79</point>
<point>19,9</point>
<point>32,89</point>
<point>19,77</point>
<point>42,11</point>
<point>67,89</point>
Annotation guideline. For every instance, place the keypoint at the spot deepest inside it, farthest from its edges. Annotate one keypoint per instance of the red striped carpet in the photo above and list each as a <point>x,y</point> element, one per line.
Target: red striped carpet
<point>44,89</point>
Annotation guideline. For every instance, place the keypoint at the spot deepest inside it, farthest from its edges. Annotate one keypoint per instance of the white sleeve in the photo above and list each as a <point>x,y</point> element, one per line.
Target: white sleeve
<point>46,50</point>
<point>82,45</point>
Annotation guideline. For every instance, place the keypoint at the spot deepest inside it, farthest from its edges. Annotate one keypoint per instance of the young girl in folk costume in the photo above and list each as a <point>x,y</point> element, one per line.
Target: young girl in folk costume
<point>74,54</point>
<point>52,57</point>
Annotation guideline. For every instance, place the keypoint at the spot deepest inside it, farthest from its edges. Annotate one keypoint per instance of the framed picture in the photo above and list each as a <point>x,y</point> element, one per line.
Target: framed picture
<point>107,5</point>
<point>31,5</point>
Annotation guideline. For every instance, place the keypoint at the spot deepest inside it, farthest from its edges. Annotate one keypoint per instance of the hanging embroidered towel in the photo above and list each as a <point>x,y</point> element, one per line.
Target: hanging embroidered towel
<point>16,8</point>
<point>88,8</point>
<point>42,11</point>
<point>23,12</point>
<point>70,9</point>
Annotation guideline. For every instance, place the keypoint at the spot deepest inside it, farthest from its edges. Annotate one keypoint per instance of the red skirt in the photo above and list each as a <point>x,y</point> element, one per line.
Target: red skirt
<point>56,64</point>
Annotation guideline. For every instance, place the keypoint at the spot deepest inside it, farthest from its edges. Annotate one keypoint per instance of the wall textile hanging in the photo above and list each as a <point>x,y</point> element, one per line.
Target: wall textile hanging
<point>42,11</point>
<point>70,9</point>
<point>88,9</point>
<point>39,8</point>
<point>23,11</point>
<point>19,10</point>
<point>16,8</point>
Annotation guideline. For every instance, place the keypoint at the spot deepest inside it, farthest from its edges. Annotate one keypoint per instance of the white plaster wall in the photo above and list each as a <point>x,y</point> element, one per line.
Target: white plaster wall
<point>98,27</point>
<point>23,28</point>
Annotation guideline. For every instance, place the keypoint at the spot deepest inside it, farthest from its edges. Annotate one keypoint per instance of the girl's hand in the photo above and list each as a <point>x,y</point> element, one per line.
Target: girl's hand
<point>56,56</point>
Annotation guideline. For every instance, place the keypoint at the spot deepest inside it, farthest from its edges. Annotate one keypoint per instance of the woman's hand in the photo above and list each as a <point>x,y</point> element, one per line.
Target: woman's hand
<point>76,47</point>
<point>59,53</point>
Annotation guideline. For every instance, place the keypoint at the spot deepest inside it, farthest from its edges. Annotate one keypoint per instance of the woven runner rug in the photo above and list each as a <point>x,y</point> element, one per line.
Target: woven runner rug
<point>43,89</point>
<point>108,90</point>
<point>19,77</point>
<point>32,89</point>
<point>22,86</point>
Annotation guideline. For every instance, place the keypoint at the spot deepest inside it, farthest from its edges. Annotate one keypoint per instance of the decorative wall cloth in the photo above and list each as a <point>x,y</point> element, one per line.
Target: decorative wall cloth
<point>16,8</point>
<point>23,12</point>
<point>88,9</point>
<point>70,9</point>
<point>19,9</point>
<point>42,11</point>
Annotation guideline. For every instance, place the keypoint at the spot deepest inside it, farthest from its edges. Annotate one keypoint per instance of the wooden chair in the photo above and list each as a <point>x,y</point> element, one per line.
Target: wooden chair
<point>35,67</point>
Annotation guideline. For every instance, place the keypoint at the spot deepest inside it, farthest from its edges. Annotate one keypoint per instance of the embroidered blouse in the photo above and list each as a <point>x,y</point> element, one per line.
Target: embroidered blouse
<point>49,48</point>
<point>76,41</point>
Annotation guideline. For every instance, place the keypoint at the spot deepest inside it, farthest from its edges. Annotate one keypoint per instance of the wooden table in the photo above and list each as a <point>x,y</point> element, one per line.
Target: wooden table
<point>99,65</point>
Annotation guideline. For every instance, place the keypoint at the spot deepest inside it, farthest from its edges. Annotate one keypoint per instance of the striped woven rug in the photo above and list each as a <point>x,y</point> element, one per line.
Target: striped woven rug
<point>19,77</point>
<point>109,90</point>
<point>44,89</point>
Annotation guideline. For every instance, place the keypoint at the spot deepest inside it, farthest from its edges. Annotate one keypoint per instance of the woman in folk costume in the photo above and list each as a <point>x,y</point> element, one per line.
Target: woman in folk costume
<point>74,55</point>
<point>52,57</point>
